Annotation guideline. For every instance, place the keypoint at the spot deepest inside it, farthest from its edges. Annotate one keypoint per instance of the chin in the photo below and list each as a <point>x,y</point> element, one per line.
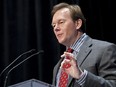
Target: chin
<point>61,42</point>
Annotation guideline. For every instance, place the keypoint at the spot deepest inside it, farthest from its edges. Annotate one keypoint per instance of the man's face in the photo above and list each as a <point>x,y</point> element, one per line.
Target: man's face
<point>64,27</point>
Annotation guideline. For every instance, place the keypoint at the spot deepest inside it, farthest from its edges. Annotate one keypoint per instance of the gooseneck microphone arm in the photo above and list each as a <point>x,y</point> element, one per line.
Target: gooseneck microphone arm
<point>15,60</point>
<point>37,53</point>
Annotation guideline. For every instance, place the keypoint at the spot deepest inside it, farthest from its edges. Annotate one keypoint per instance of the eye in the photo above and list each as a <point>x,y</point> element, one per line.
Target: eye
<point>61,22</point>
<point>53,25</point>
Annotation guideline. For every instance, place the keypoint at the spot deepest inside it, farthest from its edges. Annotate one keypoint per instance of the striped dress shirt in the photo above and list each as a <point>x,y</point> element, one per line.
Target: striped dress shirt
<point>76,47</point>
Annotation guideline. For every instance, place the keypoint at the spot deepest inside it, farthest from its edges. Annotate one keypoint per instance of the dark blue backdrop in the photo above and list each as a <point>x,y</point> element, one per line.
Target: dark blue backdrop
<point>26,24</point>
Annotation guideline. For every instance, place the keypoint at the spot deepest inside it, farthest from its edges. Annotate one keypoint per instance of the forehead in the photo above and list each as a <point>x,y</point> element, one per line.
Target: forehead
<point>60,14</point>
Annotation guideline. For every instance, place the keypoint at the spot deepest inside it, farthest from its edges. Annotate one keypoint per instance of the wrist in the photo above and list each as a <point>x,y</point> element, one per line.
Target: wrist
<point>79,74</point>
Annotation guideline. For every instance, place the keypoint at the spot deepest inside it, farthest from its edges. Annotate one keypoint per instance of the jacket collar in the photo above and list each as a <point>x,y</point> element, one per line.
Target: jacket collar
<point>82,55</point>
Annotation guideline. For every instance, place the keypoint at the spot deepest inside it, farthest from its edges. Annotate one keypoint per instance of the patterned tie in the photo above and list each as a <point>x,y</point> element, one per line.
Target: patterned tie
<point>64,76</point>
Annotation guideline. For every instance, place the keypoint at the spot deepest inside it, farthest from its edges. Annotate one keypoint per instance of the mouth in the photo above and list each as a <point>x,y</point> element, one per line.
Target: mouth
<point>59,35</point>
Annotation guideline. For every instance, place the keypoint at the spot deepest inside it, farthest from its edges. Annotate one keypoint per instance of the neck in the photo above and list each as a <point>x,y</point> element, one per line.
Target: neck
<point>75,39</point>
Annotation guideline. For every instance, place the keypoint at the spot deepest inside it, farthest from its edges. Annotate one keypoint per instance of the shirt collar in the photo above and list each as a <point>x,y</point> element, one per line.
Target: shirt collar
<point>77,44</point>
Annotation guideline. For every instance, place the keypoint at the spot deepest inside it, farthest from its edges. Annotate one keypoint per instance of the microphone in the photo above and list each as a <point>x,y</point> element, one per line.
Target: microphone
<point>16,60</point>
<point>37,53</point>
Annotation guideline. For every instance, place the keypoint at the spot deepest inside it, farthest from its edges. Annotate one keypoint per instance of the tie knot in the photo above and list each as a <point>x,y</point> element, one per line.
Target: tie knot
<point>70,50</point>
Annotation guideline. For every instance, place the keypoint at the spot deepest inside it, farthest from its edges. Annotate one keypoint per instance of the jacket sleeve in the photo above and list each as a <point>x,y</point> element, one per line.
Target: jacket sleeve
<point>106,70</point>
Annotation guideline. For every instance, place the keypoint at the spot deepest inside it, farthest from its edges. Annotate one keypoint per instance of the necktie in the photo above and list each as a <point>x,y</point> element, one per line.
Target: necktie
<point>64,76</point>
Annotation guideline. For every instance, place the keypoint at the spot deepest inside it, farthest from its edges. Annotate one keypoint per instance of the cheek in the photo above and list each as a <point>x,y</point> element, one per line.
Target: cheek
<point>70,30</point>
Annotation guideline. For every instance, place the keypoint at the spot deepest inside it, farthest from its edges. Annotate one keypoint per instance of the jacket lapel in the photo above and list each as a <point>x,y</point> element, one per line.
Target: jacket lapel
<point>82,55</point>
<point>56,68</point>
<point>84,51</point>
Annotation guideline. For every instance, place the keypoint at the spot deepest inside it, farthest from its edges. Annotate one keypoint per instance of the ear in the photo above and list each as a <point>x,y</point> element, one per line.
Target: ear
<point>78,23</point>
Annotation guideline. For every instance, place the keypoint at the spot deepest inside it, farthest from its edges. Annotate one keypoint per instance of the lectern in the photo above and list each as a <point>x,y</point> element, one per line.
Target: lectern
<point>32,83</point>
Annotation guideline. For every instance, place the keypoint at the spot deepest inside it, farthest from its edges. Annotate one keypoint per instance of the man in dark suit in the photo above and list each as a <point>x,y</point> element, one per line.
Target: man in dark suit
<point>93,62</point>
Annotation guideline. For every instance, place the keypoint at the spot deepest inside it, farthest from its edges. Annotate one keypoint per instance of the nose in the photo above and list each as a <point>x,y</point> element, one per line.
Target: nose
<point>56,28</point>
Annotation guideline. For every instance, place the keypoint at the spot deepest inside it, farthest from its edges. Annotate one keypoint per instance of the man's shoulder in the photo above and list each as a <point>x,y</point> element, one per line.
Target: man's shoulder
<point>102,43</point>
<point>98,41</point>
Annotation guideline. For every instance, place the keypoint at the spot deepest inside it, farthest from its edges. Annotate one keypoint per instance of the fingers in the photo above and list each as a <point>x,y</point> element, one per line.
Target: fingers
<point>67,55</point>
<point>70,66</point>
<point>66,63</point>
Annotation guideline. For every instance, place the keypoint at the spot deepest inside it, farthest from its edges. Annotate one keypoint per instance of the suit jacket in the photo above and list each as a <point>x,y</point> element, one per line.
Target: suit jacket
<point>99,59</point>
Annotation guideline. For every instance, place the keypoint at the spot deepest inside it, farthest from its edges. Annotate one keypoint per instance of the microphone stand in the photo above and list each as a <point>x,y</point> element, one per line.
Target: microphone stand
<point>16,60</point>
<point>5,81</point>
